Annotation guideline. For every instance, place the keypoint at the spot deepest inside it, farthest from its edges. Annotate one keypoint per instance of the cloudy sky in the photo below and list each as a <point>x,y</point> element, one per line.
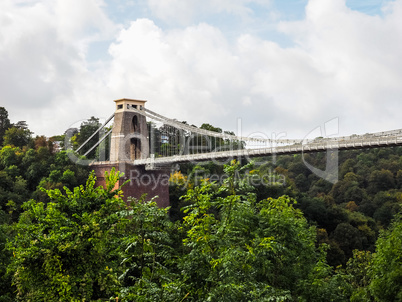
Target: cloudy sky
<point>277,65</point>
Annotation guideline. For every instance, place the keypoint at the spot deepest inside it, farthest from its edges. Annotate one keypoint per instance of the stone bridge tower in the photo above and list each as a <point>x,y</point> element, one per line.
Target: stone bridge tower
<point>130,141</point>
<point>130,133</point>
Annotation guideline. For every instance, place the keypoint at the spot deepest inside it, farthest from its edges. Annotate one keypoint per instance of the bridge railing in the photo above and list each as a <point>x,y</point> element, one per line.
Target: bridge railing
<point>356,142</point>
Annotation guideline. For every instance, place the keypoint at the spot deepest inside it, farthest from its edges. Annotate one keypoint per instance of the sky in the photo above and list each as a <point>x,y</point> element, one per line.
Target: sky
<point>268,67</point>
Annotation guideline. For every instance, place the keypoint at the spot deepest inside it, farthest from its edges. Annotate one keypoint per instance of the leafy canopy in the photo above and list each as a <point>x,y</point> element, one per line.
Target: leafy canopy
<point>67,250</point>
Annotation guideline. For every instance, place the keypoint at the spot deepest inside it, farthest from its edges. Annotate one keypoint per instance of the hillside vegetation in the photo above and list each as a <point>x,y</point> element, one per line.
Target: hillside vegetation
<point>234,232</point>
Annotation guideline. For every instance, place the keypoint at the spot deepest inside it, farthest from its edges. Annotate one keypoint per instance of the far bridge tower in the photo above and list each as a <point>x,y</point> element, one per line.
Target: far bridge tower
<point>130,141</point>
<point>130,133</point>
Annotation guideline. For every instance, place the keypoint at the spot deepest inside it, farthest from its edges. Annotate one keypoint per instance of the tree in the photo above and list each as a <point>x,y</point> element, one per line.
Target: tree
<point>6,288</point>
<point>18,136</point>
<point>381,180</point>
<point>348,238</point>
<point>387,264</point>
<point>348,166</point>
<point>87,128</point>
<point>68,249</point>
<point>211,128</point>
<point>149,257</point>
<point>358,268</point>
<point>238,249</point>
<point>4,123</point>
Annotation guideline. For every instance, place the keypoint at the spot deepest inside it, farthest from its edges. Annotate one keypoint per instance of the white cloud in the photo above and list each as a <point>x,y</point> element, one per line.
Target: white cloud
<point>83,21</point>
<point>43,58</point>
<point>181,71</point>
<point>360,54</point>
<point>343,64</point>
<point>186,12</point>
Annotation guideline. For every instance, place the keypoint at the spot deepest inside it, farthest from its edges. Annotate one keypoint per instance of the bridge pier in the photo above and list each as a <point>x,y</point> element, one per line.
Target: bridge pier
<point>140,181</point>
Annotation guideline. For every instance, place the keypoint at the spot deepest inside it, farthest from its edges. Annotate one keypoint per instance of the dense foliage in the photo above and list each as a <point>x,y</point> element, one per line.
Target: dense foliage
<point>348,214</point>
<point>241,249</point>
<point>274,232</point>
<point>87,244</point>
<point>67,250</point>
<point>387,264</point>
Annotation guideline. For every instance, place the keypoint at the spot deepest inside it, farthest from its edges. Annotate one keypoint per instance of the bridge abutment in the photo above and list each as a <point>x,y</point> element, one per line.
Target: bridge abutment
<point>140,181</point>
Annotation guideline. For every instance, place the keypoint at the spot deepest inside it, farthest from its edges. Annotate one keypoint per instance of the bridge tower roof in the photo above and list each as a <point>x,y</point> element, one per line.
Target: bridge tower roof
<point>127,104</point>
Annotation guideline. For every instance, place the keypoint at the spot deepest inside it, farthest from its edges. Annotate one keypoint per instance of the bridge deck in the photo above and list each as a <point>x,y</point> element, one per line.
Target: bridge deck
<point>322,145</point>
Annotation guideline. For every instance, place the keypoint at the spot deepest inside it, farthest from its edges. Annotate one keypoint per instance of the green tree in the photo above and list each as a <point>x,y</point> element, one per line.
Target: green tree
<point>238,249</point>
<point>6,288</point>
<point>149,258</point>
<point>348,238</point>
<point>18,136</point>
<point>87,128</point>
<point>358,268</point>
<point>381,180</point>
<point>10,156</point>
<point>387,264</point>
<point>67,250</point>
<point>4,124</point>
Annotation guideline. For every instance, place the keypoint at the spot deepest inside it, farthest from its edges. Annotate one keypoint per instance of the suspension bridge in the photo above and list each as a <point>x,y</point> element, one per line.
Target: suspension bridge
<point>159,140</point>
<point>144,141</point>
